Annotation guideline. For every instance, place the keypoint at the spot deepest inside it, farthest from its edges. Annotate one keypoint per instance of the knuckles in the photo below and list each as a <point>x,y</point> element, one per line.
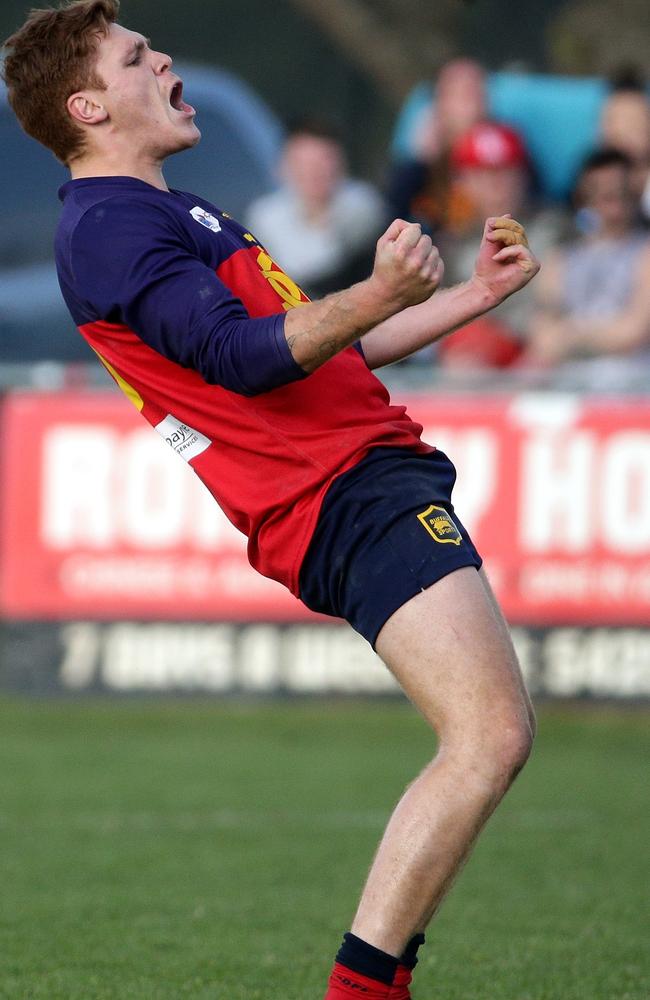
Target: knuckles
<point>413,269</point>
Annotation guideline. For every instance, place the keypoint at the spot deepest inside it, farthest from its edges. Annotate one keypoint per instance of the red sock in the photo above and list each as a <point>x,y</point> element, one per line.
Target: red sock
<point>344,983</point>
<point>363,972</point>
<point>402,981</point>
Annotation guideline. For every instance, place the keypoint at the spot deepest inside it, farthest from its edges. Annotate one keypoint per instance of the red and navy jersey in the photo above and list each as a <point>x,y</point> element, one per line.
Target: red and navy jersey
<point>186,310</point>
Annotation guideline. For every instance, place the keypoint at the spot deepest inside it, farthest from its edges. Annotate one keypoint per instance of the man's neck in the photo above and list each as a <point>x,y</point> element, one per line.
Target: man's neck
<point>100,166</point>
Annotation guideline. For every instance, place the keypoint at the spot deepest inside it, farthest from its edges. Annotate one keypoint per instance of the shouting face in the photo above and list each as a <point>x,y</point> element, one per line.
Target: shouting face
<point>141,108</point>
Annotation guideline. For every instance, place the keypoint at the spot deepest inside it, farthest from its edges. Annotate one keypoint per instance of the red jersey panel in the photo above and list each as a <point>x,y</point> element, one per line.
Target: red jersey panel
<point>268,457</point>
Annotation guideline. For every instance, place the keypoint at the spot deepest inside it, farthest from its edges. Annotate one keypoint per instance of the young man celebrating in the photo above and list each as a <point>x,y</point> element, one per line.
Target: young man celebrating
<point>272,401</point>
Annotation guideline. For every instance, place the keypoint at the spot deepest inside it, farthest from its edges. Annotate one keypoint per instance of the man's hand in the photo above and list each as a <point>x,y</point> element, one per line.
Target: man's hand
<point>407,271</point>
<point>505,262</point>
<point>408,268</point>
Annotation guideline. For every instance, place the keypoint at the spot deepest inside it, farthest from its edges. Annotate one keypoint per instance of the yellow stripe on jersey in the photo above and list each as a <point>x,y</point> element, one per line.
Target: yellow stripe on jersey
<point>131,394</point>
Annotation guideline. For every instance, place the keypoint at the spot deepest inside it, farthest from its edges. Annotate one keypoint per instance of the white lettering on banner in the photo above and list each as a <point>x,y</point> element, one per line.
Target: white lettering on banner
<point>575,493</point>
<point>605,662</point>
<point>475,453</point>
<point>185,441</point>
<point>154,495</point>
<point>259,659</point>
<point>78,465</point>
<point>541,411</point>
<point>557,491</point>
<point>625,508</point>
<point>101,489</point>
<point>583,582</point>
<point>163,577</point>
<point>156,658</point>
<point>140,577</point>
<point>321,659</point>
<point>334,659</point>
<point>81,650</point>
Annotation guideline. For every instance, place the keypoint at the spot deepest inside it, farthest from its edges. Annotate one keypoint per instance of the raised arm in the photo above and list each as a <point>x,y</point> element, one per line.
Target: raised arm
<point>157,284</point>
<point>407,271</point>
<point>503,266</point>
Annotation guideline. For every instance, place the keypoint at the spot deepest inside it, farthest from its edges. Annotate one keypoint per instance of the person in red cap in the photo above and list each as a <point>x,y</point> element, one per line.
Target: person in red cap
<point>490,175</point>
<point>418,185</point>
<point>490,163</point>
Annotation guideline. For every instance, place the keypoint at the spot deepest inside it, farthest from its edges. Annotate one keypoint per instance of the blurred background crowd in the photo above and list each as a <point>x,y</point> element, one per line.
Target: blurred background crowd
<point>568,154</point>
<point>455,165</point>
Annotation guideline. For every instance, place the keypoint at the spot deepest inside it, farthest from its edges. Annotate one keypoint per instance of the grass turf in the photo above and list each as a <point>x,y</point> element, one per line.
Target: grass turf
<point>169,850</point>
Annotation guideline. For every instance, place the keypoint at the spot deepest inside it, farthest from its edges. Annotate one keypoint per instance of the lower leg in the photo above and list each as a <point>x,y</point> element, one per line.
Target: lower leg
<point>428,837</point>
<point>450,650</point>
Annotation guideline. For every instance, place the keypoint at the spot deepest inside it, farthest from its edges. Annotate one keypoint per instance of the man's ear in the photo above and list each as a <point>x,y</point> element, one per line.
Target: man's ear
<point>85,110</point>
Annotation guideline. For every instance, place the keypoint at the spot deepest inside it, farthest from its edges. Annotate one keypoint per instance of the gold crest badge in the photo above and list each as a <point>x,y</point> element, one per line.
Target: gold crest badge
<point>440,525</point>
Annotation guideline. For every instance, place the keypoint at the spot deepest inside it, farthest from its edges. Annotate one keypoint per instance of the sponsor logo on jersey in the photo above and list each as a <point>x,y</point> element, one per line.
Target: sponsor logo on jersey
<point>440,525</point>
<point>185,441</point>
<point>206,219</point>
<point>281,283</point>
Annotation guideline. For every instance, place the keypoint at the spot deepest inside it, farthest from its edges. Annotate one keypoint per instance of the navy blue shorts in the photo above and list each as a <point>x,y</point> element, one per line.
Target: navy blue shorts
<point>386,531</point>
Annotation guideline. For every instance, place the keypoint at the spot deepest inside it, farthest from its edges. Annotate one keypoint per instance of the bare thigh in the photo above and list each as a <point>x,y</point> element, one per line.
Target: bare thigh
<point>503,626</point>
<point>450,650</point>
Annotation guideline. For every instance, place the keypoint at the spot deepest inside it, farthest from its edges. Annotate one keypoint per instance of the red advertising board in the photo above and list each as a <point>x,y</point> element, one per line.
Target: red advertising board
<point>99,520</point>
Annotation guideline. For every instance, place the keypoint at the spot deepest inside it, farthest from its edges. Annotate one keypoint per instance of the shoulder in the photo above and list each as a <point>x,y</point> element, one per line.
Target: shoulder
<point>137,211</point>
<point>124,224</point>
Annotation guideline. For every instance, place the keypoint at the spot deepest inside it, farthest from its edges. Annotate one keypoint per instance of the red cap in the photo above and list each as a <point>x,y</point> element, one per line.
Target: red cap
<point>489,144</point>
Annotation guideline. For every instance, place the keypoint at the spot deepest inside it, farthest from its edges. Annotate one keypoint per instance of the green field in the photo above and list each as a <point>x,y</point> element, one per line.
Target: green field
<point>164,850</point>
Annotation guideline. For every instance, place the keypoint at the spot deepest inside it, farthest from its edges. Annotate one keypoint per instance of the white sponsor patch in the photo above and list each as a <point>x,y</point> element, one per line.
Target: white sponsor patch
<point>185,441</point>
<point>206,219</point>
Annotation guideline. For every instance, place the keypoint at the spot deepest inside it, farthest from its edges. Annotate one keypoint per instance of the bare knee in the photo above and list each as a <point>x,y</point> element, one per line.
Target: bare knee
<point>493,748</point>
<point>510,746</point>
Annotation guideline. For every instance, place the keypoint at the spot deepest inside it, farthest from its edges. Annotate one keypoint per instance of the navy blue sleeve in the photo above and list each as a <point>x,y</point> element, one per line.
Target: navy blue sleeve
<point>132,264</point>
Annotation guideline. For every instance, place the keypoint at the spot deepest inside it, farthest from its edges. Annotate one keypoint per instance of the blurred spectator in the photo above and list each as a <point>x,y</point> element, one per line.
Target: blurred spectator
<point>593,297</point>
<point>557,116</point>
<point>490,173</point>
<point>419,187</point>
<point>460,103</point>
<point>321,226</point>
<point>625,125</point>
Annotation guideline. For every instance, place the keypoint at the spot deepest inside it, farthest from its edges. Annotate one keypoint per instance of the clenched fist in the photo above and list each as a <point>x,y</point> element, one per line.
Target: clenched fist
<point>505,262</point>
<point>408,268</point>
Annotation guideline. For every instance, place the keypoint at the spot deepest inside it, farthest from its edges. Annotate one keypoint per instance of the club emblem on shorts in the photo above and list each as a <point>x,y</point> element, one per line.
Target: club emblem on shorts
<point>440,525</point>
<point>207,220</point>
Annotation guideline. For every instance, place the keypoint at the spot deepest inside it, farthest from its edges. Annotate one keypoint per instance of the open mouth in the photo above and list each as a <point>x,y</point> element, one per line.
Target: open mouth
<point>176,99</point>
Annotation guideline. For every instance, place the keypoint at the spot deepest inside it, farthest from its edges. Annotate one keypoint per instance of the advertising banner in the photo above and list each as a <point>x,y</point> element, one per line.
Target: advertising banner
<point>264,658</point>
<point>101,521</point>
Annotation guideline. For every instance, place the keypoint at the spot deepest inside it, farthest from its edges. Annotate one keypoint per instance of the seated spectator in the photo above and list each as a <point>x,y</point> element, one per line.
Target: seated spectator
<point>593,297</point>
<point>320,226</point>
<point>419,186</point>
<point>490,175</point>
<point>557,116</point>
<point>625,125</point>
<point>461,102</point>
